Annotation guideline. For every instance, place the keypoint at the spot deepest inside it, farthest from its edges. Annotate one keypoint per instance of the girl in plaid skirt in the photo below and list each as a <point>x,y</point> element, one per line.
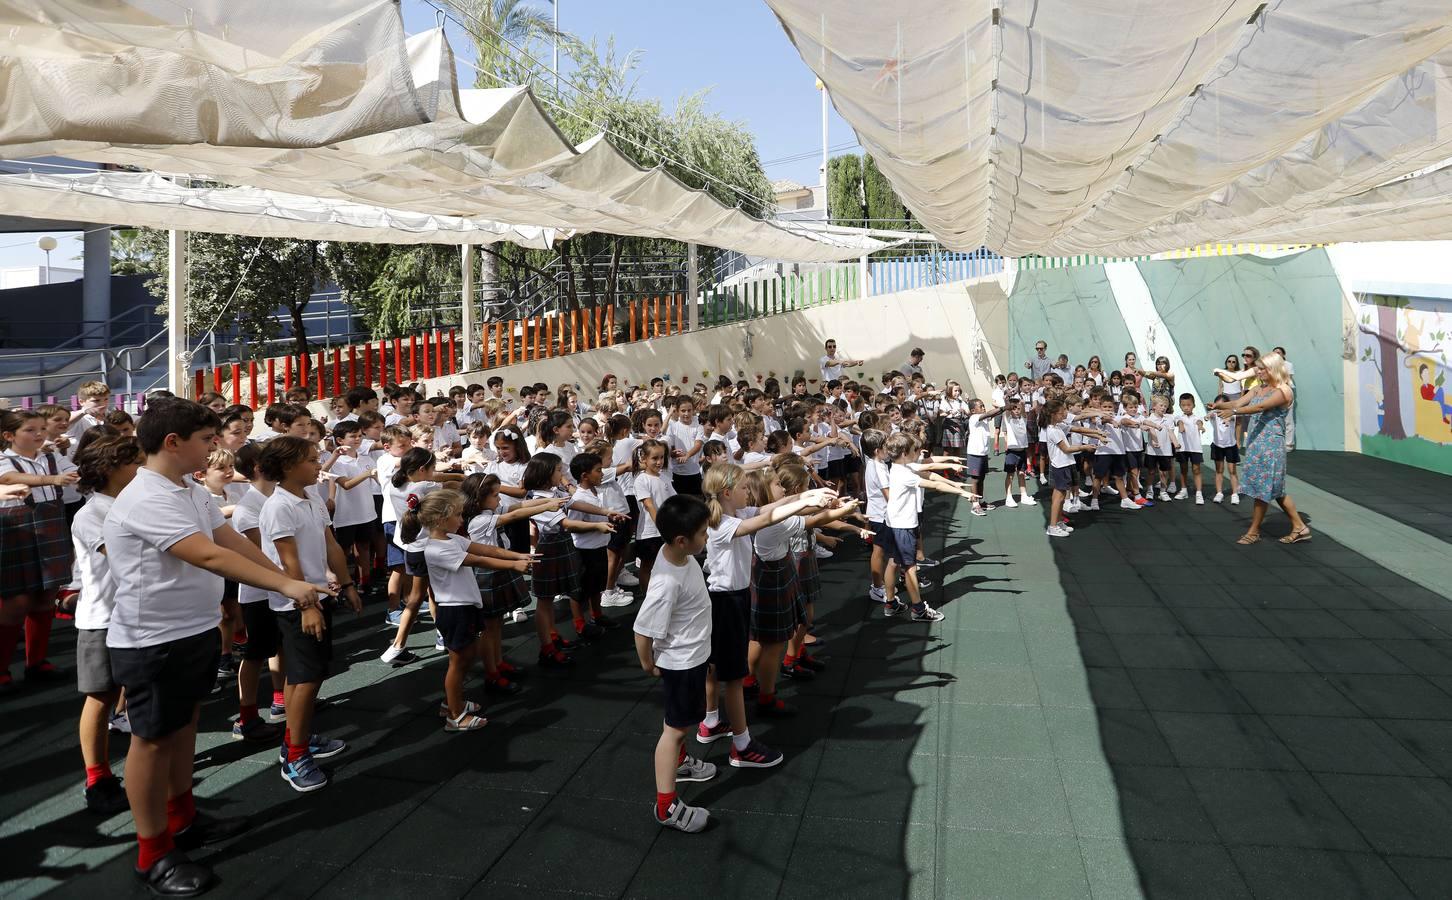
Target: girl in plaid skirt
<point>503,591</point>
<point>557,574</point>
<point>35,544</point>
<point>775,612</point>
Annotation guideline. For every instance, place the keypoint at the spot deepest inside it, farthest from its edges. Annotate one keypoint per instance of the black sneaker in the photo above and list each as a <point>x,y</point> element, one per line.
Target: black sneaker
<point>45,670</point>
<point>776,709</point>
<point>174,875</point>
<point>106,797</point>
<point>556,660</point>
<point>607,623</point>
<point>750,691</point>
<point>205,830</point>
<point>502,687</point>
<point>811,664</point>
<point>593,632</point>
<point>927,562</point>
<point>566,645</point>
<point>796,672</point>
<point>925,584</point>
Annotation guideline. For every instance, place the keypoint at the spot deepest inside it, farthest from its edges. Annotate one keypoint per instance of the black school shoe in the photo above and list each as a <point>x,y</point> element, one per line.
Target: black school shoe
<point>797,672</point>
<point>592,632</point>
<point>107,797</point>
<point>174,875</point>
<point>606,622</point>
<point>205,830</point>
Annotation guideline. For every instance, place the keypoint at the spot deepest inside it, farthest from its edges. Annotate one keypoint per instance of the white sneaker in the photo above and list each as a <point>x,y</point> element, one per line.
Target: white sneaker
<point>1219,495</point>
<point>391,654</point>
<point>1084,493</point>
<point>978,510</point>
<point>1056,531</point>
<point>439,641</point>
<point>1165,497</point>
<point>520,616</point>
<point>1234,499</point>
<point>626,580</point>
<point>1127,503</point>
<point>823,552</point>
<point>1199,499</point>
<point>1009,502</point>
<point>1043,479</point>
<point>877,595</point>
<point>1027,499</point>
<point>1182,495</point>
<point>121,723</point>
<point>1094,505</point>
<point>1109,489</point>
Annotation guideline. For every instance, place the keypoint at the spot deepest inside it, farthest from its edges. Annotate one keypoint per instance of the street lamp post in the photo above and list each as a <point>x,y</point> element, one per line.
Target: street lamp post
<point>46,244</point>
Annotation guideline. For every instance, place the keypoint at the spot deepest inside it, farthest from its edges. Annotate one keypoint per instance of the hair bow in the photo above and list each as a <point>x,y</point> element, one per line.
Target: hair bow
<point>412,502</point>
<point>509,433</point>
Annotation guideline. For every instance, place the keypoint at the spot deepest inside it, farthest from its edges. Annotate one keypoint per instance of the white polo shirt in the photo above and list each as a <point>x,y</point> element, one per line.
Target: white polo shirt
<point>247,516</point>
<point>729,556</point>
<point>902,497</point>
<point>160,598</point>
<point>93,569</point>
<point>676,614</point>
<point>305,520</point>
<point>452,581</point>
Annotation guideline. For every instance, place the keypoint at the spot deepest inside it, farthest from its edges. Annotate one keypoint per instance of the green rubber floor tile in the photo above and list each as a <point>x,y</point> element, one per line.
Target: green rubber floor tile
<point>980,613</point>
<point>1197,596</point>
<point>1200,622</point>
<point>1059,646</point>
<point>781,790</point>
<point>1187,690</point>
<point>1118,735</point>
<point>1304,623</point>
<point>1349,746</point>
<point>1110,866</point>
<point>1068,686</point>
<point>1157,803</point>
<point>741,855</point>
<point>882,786</point>
<point>879,720</point>
<point>457,833</point>
<point>1233,654</point>
<point>1160,651</point>
<point>833,857</point>
<point>1356,656</point>
<point>1133,620</point>
<point>1395,696</point>
<point>1023,795</point>
<point>1424,657</point>
<point>1291,693</point>
<point>1204,740</point>
<point>1001,731</point>
<point>1429,740</point>
<point>1187,870</point>
<point>1094,804</point>
<point>1006,685</point>
<point>986,649</point>
<point>581,844</point>
<point>367,881</point>
<point>998,865</point>
<point>1425,877</point>
<point>1396,814</point>
<point>1277,809</point>
<point>531,761</point>
<point>1317,874</point>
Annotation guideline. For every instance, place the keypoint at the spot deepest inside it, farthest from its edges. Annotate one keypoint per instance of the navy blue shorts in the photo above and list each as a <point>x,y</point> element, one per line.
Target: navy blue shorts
<point>1159,463</point>
<point>395,552</point>
<point>977,466</point>
<point>1226,454</point>
<point>730,633</point>
<point>904,546</point>
<point>1134,460</point>
<point>460,626</point>
<point>1190,456</point>
<point>836,469</point>
<point>414,563</point>
<point>1109,465</point>
<point>685,695</point>
<point>1013,460</point>
<point>1062,477</point>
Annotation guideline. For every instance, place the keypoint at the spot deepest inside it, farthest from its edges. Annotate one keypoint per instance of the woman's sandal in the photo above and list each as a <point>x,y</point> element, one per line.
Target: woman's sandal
<point>1296,537</point>
<point>469,707</point>
<point>466,721</point>
<point>1249,539</point>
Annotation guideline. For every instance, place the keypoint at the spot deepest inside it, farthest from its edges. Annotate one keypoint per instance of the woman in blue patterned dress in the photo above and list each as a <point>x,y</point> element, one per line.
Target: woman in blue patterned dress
<point>1263,467</point>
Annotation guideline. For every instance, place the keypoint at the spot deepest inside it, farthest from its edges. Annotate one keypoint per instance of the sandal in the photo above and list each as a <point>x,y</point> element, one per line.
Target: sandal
<point>1249,538</point>
<point>469,707</point>
<point>466,721</point>
<point>1296,537</point>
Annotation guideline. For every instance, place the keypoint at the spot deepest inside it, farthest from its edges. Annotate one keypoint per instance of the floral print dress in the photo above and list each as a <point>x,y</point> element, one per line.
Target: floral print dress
<point>1263,469</point>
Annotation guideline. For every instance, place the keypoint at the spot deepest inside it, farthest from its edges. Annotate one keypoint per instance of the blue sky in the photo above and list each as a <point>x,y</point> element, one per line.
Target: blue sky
<point>735,48</point>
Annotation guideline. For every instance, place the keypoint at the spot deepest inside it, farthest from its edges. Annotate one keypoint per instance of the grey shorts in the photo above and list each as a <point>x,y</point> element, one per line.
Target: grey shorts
<point>93,662</point>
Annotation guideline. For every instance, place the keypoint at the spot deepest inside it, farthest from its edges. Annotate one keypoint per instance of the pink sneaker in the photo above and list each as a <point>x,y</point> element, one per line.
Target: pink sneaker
<point>706,735</point>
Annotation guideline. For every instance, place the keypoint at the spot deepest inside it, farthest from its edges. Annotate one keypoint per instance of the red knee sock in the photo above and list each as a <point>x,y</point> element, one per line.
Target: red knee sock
<point>96,773</point>
<point>788,660</point>
<point>296,752</point>
<point>748,681</point>
<point>37,635</point>
<point>579,624</point>
<point>248,712</point>
<point>149,850</point>
<point>180,811</point>
<point>663,804</point>
<point>9,637</point>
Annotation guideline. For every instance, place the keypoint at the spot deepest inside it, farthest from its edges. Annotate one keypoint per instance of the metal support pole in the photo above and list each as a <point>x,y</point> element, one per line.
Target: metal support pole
<point>467,323</point>
<point>176,332</point>
<point>693,287</point>
<point>864,287</point>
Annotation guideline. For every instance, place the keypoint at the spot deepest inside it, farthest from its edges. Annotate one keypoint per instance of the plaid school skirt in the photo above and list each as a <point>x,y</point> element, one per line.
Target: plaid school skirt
<point>776,610</point>
<point>809,579</point>
<point>35,549</point>
<point>558,570</point>
<point>503,592</point>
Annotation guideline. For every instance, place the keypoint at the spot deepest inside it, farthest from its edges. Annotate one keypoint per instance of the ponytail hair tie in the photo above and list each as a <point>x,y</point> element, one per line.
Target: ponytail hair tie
<point>413,502</point>
<point>509,433</point>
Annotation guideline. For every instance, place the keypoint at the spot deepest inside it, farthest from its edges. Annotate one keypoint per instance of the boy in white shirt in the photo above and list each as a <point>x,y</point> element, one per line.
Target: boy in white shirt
<point>1225,451</point>
<point>1015,454</point>
<point>685,439</point>
<point>673,642</point>
<point>169,550</point>
<point>901,518</point>
<point>1192,454</point>
<point>980,441</point>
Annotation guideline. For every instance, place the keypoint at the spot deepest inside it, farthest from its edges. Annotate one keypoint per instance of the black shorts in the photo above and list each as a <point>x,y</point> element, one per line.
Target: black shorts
<point>730,633</point>
<point>836,470</point>
<point>1061,477</point>
<point>1109,465</point>
<point>685,696</point>
<point>305,659</point>
<point>646,550</point>
<point>977,466</point>
<point>414,564</point>
<point>594,566</point>
<point>851,465</point>
<point>1190,456</point>
<point>1134,460</point>
<point>165,682</point>
<point>687,484</point>
<point>881,536</point>
<point>625,531</point>
<point>904,546</point>
<point>263,638</point>
<point>460,626</point>
<point>1159,463</point>
<point>93,662</point>
<point>229,591</point>
<point>517,533</point>
<point>1226,454</point>
<point>377,512</point>
<point>350,536</point>
<point>1013,460</point>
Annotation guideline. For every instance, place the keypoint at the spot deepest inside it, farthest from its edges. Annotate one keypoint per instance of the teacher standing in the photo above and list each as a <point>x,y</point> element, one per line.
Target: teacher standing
<point>1263,468</point>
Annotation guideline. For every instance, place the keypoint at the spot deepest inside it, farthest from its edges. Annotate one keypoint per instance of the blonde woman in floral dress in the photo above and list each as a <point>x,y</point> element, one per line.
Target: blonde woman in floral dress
<point>1263,467</point>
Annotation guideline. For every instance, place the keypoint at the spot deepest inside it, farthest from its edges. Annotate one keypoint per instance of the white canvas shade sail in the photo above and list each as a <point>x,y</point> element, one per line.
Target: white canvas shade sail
<point>467,155</point>
<point>1062,127</point>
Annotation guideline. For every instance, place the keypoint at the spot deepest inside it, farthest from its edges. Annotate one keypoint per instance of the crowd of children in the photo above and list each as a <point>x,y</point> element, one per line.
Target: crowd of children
<point>197,548</point>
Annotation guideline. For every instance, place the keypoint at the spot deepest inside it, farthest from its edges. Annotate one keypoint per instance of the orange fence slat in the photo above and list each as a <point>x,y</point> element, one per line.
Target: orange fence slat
<point>201,383</point>
<point>236,383</point>
<point>271,380</point>
<point>252,382</point>
<point>322,365</point>
<point>287,373</point>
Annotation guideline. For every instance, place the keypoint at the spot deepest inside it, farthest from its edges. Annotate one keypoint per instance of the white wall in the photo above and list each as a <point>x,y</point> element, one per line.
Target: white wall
<point>963,328</point>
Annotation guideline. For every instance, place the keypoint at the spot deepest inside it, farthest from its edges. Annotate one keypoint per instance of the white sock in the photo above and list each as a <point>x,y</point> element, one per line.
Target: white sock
<point>713,718</point>
<point>739,741</point>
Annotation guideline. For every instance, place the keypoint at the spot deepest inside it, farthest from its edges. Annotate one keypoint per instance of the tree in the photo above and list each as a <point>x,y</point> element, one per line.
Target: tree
<point>884,209</point>
<point>844,190</point>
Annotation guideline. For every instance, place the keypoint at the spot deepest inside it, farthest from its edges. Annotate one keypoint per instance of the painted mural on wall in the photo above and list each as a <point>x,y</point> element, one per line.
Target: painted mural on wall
<point>1404,358</point>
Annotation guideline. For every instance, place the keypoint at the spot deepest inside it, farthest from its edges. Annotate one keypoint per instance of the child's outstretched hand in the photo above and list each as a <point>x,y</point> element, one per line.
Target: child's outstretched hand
<point>819,497</point>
